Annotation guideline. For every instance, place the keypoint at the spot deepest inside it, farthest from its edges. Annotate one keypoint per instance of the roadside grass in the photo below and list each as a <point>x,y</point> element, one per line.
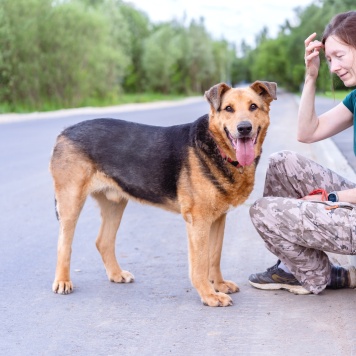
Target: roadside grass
<point>336,95</point>
<point>119,100</point>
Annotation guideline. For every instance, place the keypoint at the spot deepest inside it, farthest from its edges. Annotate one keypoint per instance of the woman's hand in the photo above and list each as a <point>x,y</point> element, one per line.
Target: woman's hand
<point>315,197</point>
<point>346,196</point>
<point>312,60</point>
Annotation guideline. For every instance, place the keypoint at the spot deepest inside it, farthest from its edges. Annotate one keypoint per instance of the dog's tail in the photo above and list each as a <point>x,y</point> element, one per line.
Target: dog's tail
<point>55,208</point>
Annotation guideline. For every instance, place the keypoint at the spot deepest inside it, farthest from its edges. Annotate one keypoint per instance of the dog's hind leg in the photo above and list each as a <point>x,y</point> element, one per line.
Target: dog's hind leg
<point>111,214</point>
<point>70,201</point>
<point>72,172</point>
<point>215,248</point>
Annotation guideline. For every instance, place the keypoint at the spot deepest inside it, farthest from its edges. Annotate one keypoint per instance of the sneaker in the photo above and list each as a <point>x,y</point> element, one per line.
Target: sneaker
<point>342,277</point>
<point>275,278</point>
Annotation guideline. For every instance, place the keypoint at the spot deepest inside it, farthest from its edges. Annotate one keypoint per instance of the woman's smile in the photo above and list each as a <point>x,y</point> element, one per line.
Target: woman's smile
<point>342,60</point>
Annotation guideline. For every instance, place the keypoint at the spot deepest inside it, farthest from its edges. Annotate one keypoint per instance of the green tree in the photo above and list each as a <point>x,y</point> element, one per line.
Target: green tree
<point>63,52</point>
<point>138,30</point>
<point>160,58</point>
<point>200,57</point>
<point>269,62</point>
<point>82,56</point>
<point>19,43</point>
<point>224,55</point>
<point>241,65</point>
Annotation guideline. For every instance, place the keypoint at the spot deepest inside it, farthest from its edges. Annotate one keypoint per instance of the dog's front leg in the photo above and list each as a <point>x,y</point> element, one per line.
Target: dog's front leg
<point>198,236</point>
<point>215,248</point>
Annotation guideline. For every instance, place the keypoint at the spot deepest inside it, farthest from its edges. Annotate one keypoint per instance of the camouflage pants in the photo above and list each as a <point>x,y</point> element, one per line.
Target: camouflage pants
<point>297,231</point>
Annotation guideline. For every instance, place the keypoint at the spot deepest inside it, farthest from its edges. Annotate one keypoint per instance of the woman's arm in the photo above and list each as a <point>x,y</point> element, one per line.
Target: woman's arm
<point>312,128</point>
<point>326,125</point>
<point>347,196</point>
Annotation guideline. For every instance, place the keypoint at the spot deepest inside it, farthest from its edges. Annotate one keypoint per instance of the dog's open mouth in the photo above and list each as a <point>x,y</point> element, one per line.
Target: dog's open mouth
<point>244,147</point>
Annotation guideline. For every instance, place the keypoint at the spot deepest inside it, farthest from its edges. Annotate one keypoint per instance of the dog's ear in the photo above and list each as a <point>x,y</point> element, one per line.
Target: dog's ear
<point>214,94</point>
<point>268,90</point>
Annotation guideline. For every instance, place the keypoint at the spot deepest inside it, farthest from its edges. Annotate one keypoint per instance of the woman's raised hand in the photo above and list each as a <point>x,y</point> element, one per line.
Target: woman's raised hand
<point>312,59</point>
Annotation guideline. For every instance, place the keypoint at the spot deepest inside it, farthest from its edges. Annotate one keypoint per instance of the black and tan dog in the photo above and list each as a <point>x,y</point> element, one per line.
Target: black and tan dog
<point>200,170</point>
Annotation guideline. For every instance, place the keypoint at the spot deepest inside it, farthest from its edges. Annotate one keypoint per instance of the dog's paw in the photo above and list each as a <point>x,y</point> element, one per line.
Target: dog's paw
<point>62,287</point>
<point>122,277</point>
<point>217,300</point>
<point>227,287</point>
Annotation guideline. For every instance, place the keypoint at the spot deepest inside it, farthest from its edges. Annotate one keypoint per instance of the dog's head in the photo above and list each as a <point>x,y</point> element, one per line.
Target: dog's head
<point>239,118</point>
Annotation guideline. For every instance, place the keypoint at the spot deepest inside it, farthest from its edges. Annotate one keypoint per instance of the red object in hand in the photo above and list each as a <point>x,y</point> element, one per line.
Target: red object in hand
<point>324,194</point>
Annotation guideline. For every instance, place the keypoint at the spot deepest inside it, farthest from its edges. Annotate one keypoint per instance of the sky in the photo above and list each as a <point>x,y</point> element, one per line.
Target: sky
<point>233,20</point>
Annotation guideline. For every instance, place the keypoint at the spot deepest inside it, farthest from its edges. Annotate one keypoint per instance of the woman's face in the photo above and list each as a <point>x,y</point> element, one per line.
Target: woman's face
<point>342,60</point>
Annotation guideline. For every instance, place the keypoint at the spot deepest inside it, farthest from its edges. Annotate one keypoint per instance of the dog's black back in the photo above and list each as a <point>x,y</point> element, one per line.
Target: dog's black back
<point>144,160</point>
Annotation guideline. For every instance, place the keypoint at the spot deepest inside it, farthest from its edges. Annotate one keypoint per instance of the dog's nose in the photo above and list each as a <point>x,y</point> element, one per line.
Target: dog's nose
<point>244,128</point>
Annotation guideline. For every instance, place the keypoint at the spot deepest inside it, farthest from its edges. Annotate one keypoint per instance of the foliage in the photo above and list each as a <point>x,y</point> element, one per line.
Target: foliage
<point>65,53</point>
<point>139,29</point>
<point>160,56</point>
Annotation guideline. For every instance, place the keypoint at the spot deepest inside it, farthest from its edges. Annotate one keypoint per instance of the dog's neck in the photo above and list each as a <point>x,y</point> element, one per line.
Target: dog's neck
<point>225,157</point>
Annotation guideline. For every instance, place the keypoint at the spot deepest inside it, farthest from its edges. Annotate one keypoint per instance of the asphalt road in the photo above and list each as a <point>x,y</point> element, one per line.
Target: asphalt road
<point>160,313</point>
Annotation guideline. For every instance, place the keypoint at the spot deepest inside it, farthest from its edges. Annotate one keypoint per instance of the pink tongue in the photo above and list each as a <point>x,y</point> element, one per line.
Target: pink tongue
<point>245,153</point>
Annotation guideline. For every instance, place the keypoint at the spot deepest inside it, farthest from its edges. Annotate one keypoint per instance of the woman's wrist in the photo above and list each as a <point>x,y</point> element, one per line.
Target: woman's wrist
<point>348,195</point>
<point>310,78</point>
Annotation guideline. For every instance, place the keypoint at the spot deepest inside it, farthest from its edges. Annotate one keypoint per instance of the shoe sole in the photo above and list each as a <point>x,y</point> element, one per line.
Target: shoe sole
<point>276,286</point>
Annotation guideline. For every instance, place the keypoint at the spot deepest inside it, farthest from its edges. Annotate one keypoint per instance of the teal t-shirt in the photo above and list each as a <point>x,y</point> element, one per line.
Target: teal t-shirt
<point>350,103</point>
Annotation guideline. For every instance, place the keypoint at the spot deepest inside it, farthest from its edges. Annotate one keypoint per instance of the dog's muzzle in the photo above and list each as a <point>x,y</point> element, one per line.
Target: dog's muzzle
<point>244,142</point>
<point>244,129</point>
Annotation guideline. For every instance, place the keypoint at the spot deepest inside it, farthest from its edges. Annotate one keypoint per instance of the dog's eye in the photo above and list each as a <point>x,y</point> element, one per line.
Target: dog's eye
<point>253,107</point>
<point>229,109</point>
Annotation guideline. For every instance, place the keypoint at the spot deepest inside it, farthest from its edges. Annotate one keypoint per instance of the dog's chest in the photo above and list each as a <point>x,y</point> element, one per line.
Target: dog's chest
<point>242,187</point>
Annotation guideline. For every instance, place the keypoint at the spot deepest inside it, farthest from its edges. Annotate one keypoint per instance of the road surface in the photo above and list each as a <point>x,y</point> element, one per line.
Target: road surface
<point>160,313</point>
